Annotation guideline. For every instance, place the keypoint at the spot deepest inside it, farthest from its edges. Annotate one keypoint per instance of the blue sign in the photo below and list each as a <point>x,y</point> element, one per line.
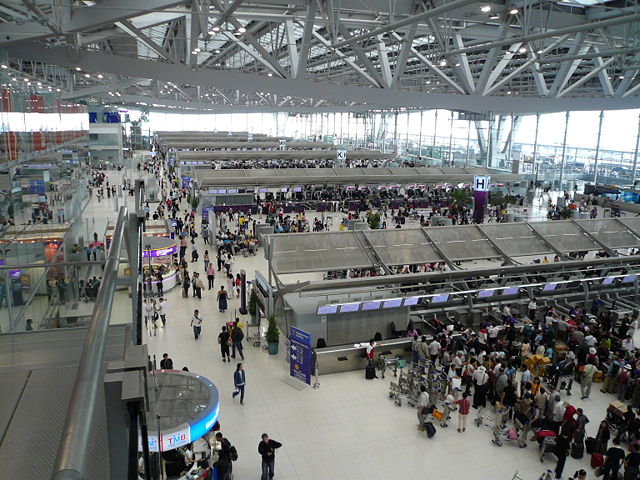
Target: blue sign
<point>207,209</point>
<point>300,355</point>
<point>186,182</point>
<point>36,187</point>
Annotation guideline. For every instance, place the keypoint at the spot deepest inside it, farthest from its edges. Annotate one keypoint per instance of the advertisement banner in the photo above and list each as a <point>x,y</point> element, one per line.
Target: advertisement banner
<point>300,357</point>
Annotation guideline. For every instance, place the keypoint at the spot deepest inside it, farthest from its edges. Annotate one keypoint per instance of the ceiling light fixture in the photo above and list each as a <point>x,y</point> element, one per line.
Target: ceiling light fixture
<point>100,75</point>
<point>269,74</point>
<point>4,66</point>
<point>494,16</point>
<point>513,11</point>
<point>443,63</point>
<point>78,69</point>
<point>485,8</point>
<point>242,29</point>
<point>87,75</point>
<point>522,49</point>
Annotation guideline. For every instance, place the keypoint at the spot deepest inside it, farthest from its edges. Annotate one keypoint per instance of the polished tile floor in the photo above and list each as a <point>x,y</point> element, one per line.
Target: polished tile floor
<point>346,429</point>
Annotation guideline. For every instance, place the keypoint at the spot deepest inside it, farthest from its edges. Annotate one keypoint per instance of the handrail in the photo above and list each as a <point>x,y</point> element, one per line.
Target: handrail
<point>73,449</point>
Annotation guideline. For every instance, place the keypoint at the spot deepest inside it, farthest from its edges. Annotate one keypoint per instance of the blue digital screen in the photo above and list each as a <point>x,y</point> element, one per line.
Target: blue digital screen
<point>284,189</point>
<point>549,287</point>
<point>327,309</point>
<point>443,297</point>
<point>510,291</point>
<point>629,279</point>
<point>371,305</point>
<point>608,281</point>
<point>393,303</point>
<point>232,190</point>
<point>410,301</point>
<point>297,189</point>
<point>262,190</point>
<point>485,293</point>
<point>349,307</point>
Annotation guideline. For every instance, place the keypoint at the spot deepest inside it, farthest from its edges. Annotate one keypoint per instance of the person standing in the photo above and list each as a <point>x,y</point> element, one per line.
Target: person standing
<point>223,340</point>
<point>236,336</point>
<point>463,412</point>
<point>533,306</point>
<point>222,299</point>
<point>166,363</point>
<point>587,379</point>
<point>239,381</point>
<point>423,407</point>
<point>563,445</point>
<point>162,310</point>
<point>211,275</point>
<point>267,449</point>
<point>199,285</point>
<point>196,323</point>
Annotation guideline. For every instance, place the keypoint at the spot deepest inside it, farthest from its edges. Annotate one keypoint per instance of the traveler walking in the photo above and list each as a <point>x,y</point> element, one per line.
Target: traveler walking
<point>224,339</point>
<point>199,285</point>
<point>196,323</point>
<point>239,380</point>
<point>267,449</point>
<point>236,336</point>
<point>211,275</point>
<point>222,299</point>
<point>162,310</point>
<point>423,407</point>
<point>587,379</point>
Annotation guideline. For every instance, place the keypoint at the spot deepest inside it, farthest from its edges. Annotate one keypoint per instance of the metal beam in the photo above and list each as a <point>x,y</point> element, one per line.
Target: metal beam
<point>292,48</point>
<point>611,252</point>
<point>464,71</point>
<point>403,56</point>
<point>247,82</point>
<point>130,29</point>
<point>586,77</point>
<point>629,75</point>
<point>305,45</point>
<point>556,32</point>
<point>225,13</point>
<point>432,13</point>
<point>385,67</point>
<point>566,69</point>
<point>499,68</point>
<point>603,76</point>
<point>489,61</point>
<point>362,57</point>
<point>349,61</point>
<point>506,257</point>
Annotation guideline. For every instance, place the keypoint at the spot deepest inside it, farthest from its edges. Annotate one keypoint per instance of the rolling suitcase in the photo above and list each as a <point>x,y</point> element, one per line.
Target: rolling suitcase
<point>597,460</point>
<point>590,444</point>
<point>429,429</point>
<point>370,372</point>
<point>577,450</point>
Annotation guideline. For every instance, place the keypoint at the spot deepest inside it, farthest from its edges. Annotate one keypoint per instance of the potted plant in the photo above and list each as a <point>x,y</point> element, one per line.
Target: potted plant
<point>253,306</point>
<point>273,336</point>
<point>374,221</point>
<point>195,200</point>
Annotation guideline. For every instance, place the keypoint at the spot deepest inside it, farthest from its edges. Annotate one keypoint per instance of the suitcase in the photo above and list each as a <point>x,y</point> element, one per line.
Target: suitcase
<point>370,372</point>
<point>597,460</point>
<point>430,429</point>
<point>437,414</point>
<point>591,444</point>
<point>577,450</point>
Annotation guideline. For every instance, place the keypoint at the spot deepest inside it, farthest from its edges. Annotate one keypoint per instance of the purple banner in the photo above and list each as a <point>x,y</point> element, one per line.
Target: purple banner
<point>321,207</point>
<point>160,252</point>
<point>480,205</point>
<point>299,208</point>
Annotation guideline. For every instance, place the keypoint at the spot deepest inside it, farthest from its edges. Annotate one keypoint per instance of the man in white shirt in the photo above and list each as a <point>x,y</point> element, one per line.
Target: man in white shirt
<point>423,407</point>
<point>480,379</point>
<point>557,414</point>
<point>506,311</point>
<point>162,310</point>
<point>196,323</point>
<point>627,344</point>
<point>434,350</point>
<point>533,306</point>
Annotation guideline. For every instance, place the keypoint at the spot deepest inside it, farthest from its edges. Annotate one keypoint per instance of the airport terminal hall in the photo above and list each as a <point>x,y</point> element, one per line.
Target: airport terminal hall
<point>319,239</point>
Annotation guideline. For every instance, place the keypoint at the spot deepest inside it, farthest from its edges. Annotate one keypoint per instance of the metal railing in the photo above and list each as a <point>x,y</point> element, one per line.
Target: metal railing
<point>72,455</point>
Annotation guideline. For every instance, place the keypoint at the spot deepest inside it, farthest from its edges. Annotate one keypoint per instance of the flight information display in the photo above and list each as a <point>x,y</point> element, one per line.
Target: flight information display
<point>608,280</point>
<point>629,279</point>
<point>394,302</point>
<point>510,291</point>
<point>410,301</point>
<point>349,307</point>
<point>485,293</point>
<point>327,309</point>
<point>443,297</point>
<point>549,287</point>
<point>371,305</point>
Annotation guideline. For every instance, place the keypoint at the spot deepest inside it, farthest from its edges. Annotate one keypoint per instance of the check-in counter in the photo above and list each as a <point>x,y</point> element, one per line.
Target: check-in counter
<point>345,358</point>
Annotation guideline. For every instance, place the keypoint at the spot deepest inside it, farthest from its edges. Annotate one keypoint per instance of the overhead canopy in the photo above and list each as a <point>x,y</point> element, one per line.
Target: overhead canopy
<point>344,176</point>
<point>308,252</point>
<point>206,157</point>
<point>255,145</point>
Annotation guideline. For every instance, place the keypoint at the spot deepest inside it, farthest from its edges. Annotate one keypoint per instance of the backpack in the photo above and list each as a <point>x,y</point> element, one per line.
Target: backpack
<point>233,453</point>
<point>238,334</point>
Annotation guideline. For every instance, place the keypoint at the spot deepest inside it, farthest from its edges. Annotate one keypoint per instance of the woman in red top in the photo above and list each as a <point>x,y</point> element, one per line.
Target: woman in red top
<point>463,411</point>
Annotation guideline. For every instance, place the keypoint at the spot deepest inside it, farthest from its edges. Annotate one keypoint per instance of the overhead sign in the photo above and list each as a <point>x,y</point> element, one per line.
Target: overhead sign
<point>300,355</point>
<point>341,155</point>
<point>481,183</point>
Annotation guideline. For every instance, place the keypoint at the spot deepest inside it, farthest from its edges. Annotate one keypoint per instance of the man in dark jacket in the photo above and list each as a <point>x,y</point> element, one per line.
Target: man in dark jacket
<point>267,449</point>
<point>166,363</point>
<point>237,335</point>
<point>563,445</point>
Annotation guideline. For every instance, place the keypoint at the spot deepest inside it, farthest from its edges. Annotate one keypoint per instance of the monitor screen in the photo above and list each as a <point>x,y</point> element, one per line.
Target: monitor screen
<point>349,307</point>
<point>262,190</point>
<point>351,188</point>
<point>224,190</point>
<point>297,189</point>
<point>371,305</point>
<point>485,293</point>
<point>443,297</point>
<point>608,281</point>
<point>213,190</point>
<point>629,279</point>
<point>510,291</point>
<point>394,302</point>
<point>284,189</point>
<point>232,190</point>
<point>381,187</point>
<point>327,309</point>
<point>549,287</point>
<point>410,301</point>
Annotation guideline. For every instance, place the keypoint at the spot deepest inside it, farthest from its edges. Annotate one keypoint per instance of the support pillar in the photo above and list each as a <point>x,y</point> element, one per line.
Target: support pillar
<point>564,148</point>
<point>466,158</point>
<point>435,131</point>
<point>395,132</point>
<point>595,165</point>
<point>451,140</point>
<point>535,147</point>
<point>635,155</point>
<point>420,135</point>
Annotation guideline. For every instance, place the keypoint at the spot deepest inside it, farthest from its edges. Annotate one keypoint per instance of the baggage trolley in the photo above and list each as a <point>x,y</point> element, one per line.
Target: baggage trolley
<point>548,446</point>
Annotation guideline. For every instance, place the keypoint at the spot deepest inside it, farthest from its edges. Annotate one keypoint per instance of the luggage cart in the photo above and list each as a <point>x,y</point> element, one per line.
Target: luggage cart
<point>548,446</point>
<point>489,418</point>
